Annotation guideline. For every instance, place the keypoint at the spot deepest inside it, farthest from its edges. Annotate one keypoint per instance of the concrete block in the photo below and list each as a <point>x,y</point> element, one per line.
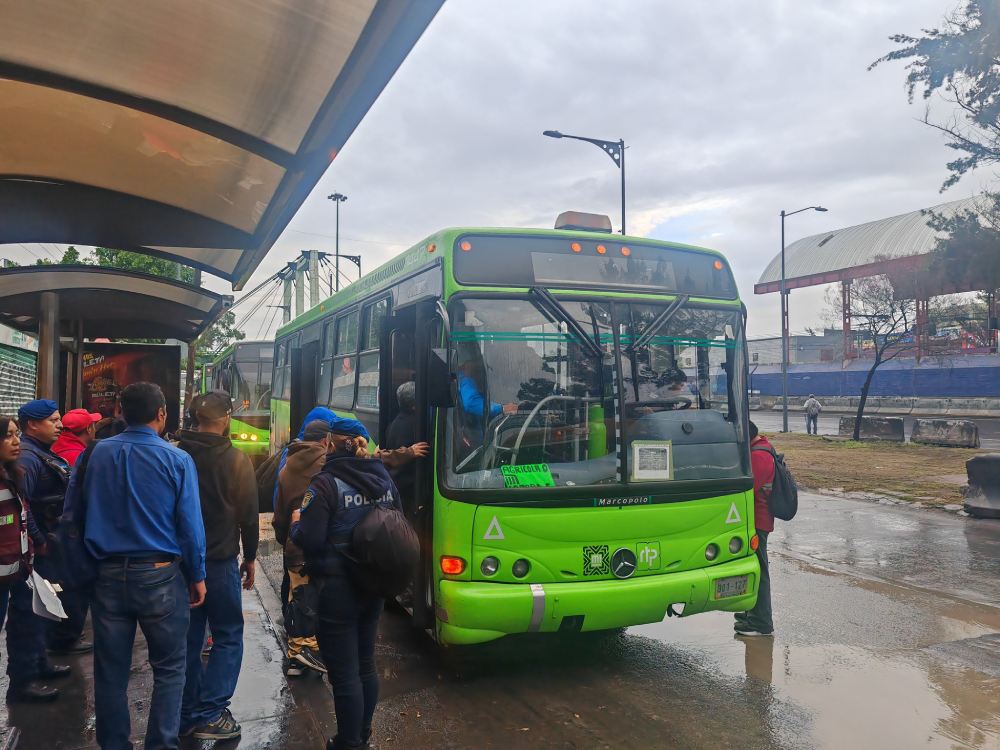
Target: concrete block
<point>957,433</point>
<point>875,428</point>
<point>982,498</point>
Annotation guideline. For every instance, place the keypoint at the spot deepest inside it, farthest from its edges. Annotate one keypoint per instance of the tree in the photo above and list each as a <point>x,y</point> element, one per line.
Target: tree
<point>960,61</point>
<point>218,336</point>
<point>884,320</point>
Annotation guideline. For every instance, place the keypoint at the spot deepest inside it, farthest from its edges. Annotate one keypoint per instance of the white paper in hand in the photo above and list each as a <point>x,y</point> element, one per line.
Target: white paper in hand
<point>44,601</point>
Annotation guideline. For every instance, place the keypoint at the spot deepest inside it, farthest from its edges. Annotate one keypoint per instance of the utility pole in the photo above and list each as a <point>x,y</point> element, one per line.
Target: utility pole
<point>337,198</point>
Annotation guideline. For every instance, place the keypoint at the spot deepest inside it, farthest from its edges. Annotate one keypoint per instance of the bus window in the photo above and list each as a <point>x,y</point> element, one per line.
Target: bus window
<point>342,392</point>
<point>326,363</point>
<point>671,402</point>
<point>374,318</point>
<point>347,333</point>
<point>530,392</point>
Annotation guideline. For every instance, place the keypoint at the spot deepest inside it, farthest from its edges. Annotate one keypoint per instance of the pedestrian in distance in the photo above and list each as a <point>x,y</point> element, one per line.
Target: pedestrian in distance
<point>812,408</point>
<point>45,477</point>
<point>350,485</point>
<point>759,620</point>
<point>20,538</point>
<point>305,459</point>
<point>79,430</point>
<point>228,494</point>
<point>143,525</point>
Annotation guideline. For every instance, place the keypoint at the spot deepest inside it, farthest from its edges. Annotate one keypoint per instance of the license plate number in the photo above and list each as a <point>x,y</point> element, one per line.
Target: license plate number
<point>733,586</point>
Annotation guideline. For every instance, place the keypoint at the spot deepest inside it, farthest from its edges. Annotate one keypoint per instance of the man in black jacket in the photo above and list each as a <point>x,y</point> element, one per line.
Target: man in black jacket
<point>229,508</point>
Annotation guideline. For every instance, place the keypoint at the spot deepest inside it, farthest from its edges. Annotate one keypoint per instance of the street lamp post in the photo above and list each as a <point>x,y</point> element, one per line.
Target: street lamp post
<point>337,198</point>
<point>784,319</point>
<point>614,149</point>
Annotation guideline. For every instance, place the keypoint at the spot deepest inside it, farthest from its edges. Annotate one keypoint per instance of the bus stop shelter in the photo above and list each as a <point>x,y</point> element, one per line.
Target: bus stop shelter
<point>71,303</point>
<point>185,130</point>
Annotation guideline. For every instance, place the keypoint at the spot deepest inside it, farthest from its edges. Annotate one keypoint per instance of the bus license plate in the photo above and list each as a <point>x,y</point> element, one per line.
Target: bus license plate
<point>727,587</point>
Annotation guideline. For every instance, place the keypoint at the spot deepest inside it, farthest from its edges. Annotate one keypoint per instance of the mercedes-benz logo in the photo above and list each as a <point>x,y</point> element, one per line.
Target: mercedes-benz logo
<point>623,563</point>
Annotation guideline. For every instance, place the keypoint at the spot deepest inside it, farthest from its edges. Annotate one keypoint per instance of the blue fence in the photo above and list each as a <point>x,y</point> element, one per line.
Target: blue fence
<point>961,377</point>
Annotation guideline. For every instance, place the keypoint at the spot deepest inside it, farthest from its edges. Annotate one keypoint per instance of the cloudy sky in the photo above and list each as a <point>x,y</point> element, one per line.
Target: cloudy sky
<point>731,112</point>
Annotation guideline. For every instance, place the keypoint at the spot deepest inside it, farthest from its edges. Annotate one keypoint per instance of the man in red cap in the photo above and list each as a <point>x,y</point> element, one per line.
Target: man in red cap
<point>79,429</point>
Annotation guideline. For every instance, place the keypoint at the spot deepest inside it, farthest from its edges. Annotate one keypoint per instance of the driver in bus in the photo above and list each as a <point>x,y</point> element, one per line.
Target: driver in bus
<point>469,378</point>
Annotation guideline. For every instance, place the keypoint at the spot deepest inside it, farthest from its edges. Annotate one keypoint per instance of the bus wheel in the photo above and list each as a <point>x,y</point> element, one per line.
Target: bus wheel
<point>423,602</point>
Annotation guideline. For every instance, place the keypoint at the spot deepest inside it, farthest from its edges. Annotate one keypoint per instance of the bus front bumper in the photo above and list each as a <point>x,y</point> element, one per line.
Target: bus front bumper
<point>471,612</point>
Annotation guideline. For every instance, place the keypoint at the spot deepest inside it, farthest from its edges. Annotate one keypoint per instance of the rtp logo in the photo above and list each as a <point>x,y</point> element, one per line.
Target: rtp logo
<point>648,554</point>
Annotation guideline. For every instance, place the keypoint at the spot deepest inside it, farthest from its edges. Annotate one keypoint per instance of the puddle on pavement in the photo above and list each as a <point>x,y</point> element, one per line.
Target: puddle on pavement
<point>869,679</point>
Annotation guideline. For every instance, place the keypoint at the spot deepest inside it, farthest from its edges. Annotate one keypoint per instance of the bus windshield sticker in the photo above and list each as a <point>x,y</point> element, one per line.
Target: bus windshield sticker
<point>651,460</point>
<point>528,475</point>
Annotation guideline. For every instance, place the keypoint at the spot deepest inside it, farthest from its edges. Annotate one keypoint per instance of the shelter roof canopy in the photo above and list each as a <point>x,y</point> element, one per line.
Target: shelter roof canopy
<point>108,302</point>
<point>181,127</point>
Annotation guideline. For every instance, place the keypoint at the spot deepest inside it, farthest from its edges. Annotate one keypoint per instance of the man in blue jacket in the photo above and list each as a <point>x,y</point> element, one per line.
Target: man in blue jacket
<point>144,526</point>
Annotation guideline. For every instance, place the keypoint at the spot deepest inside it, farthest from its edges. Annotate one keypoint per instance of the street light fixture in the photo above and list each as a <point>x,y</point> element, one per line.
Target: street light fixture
<point>784,318</point>
<point>614,149</point>
<point>337,198</point>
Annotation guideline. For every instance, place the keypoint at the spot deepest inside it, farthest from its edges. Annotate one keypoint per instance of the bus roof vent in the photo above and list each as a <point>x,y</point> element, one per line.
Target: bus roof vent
<point>584,222</point>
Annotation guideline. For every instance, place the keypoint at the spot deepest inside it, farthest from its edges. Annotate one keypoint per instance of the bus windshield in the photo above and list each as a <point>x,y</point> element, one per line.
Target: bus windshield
<point>536,405</point>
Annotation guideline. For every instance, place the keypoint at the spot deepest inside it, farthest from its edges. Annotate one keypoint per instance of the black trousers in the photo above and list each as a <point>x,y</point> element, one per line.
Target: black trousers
<point>348,626</point>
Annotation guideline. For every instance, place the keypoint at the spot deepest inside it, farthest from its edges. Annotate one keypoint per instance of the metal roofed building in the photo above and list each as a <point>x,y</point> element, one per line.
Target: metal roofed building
<point>894,246</point>
<point>856,252</point>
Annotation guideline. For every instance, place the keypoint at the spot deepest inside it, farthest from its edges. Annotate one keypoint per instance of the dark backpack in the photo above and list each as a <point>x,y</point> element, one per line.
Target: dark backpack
<point>783,495</point>
<point>74,566</point>
<point>267,477</point>
<point>385,550</point>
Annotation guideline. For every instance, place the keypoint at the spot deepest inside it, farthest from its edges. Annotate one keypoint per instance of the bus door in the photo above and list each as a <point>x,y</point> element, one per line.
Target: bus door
<point>305,364</point>
<point>408,339</point>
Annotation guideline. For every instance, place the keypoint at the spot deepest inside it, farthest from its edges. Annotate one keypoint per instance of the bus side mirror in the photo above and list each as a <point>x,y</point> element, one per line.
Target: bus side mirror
<point>439,379</point>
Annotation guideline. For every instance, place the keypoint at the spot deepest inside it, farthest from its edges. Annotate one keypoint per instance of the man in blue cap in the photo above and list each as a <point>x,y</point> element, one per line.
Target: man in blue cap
<point>45,477</point>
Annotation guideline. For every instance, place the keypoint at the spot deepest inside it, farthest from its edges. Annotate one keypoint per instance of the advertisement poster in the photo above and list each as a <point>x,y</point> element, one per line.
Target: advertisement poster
<point>108,368</point>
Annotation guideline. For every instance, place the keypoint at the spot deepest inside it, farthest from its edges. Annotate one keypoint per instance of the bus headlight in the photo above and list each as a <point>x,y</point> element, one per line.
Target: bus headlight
<point>243,436</point>
<point>711,552</point>
<point>520,568</point>
<point>735,544</point>
<point>489,566</point>
<point>253,438</point>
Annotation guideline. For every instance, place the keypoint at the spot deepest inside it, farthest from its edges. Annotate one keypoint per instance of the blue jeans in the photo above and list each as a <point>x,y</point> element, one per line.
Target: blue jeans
<point>25,635</point>
<point>348,625</point>
<point>209,687</point>
<point>154,596</point>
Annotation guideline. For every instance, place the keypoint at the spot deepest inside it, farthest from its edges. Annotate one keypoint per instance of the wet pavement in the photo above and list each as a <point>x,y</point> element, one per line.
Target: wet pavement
<point>829,424</point>
<point>887,636</point>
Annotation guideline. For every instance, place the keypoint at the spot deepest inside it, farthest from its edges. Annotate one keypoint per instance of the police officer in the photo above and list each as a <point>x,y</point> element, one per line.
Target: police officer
<point>350,484</point>
<point>44,479</point>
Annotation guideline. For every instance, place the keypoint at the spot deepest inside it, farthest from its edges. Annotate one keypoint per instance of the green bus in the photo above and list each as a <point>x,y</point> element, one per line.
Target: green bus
<point>585,398</point>
<point>243,369</point>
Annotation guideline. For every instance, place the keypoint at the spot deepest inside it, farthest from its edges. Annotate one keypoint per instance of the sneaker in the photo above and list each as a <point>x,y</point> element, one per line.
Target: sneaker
<point>223,728</point>
<point>750,631</point>
<point>207,648</point>
<point>72,649</point>
<point>294,670</point>
<point>308,658</point>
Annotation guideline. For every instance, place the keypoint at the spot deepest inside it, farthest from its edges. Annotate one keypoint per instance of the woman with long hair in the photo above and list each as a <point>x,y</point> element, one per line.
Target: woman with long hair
<point>19,538</point>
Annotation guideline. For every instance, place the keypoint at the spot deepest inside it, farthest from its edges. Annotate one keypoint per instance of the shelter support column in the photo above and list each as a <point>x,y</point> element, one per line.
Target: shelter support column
<point>845,304</point>
<point>992,313</point>
<point>47,379</point>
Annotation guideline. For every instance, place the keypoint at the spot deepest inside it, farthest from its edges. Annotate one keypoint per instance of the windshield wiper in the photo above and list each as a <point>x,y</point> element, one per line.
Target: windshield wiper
<point>555,308</point>
<point>658,322</point>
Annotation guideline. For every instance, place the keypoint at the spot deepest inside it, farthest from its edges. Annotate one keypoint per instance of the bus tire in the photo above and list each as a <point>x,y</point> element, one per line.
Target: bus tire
<point>423,597</point>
